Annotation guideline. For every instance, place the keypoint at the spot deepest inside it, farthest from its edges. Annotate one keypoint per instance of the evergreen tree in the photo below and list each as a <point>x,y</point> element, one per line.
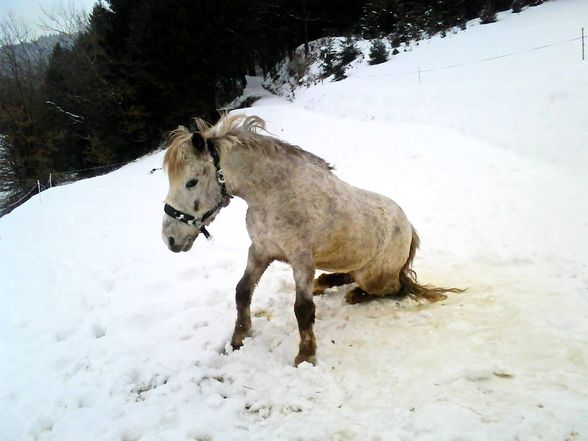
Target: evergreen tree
<point>349,51</point>
<point>339,71</point>
<point>379,17</point>
<point>433,19</point>
<point>329,59</point>
<point>517,6</point>
<point>87,106</point>
<point>454,14</point>
<point>488,13</point>
<point>378,52</point>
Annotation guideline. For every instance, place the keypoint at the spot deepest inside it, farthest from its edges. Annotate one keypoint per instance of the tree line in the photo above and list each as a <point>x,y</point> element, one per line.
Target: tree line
<point>120,78</point>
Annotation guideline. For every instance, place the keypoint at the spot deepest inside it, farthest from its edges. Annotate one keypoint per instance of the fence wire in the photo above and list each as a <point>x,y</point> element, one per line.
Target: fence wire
<point>482,60</point>
<point>35,187</point>
<point>42,187</point>
<point>116,164</point>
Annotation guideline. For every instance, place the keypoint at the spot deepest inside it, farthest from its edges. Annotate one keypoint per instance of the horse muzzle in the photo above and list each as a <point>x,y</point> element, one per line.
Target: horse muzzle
<point>182,246</point>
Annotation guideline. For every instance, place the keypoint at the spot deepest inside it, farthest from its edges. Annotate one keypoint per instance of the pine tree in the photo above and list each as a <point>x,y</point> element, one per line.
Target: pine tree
<point>433,18</point>
<point>335,63</point>
<point>329,59</point>
<point>370,20</point>
<point>339,72</point>
<point>378,52</point>
<point>453,13</point>
<point>488,13</point>
<point>517,6</point>
<point>349,51</point>
<point>378,18</point>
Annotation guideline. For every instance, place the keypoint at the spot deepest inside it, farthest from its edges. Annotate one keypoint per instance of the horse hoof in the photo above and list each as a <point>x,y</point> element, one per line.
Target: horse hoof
<point>300,358</point>
<point>357,295</point>
<point>318,288</point>
<point>236,344</point>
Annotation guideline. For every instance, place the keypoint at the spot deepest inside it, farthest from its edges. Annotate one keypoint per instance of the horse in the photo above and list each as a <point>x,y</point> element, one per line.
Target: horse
<point>299,212</point>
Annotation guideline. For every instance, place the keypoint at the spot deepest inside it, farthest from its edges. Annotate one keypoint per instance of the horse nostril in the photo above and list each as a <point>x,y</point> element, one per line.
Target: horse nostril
<point>171,241</point>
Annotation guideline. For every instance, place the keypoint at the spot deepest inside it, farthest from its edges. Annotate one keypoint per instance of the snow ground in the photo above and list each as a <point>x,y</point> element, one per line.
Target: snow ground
<point>106,335</point>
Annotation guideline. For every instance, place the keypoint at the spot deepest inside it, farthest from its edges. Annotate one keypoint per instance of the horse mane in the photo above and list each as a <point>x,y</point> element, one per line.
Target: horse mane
<point>176,152</point>
<point>231,131</point>
<point>228,124</point>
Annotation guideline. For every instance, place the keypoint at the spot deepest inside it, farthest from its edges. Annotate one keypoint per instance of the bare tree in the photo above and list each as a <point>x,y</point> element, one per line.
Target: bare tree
<point>65,20</point>
<point>22,67</point>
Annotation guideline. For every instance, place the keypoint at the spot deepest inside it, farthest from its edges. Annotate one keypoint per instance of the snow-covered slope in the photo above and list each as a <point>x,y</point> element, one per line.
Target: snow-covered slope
<point>106,335</point>
<point>519,83</point>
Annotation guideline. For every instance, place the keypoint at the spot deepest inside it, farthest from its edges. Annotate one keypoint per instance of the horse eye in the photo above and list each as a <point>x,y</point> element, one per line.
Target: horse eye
<point>191,183</point>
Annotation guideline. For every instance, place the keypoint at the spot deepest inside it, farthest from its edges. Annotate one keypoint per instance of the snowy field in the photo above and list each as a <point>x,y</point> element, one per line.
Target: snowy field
<point>106,335</point>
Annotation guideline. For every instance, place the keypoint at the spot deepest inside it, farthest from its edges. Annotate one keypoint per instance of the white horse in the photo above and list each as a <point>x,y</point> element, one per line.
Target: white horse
<point>299,212</point>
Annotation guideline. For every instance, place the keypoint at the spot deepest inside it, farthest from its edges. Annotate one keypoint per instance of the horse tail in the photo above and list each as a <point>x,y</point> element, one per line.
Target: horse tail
<point>408,279</point>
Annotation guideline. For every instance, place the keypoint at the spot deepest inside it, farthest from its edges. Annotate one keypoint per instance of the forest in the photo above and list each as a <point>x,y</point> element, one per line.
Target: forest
<point>116,81</point>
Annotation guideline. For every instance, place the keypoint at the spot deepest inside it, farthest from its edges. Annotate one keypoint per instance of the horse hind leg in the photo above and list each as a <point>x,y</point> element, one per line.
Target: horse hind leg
<point>329,280</point>
<point>372,287</point>
<point>358,295</point>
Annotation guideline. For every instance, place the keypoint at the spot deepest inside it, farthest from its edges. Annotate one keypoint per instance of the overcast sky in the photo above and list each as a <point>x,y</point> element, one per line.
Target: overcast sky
<point>29,11</point>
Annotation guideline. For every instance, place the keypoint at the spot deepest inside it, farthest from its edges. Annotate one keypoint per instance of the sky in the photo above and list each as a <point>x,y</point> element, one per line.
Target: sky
<point>30,12</point>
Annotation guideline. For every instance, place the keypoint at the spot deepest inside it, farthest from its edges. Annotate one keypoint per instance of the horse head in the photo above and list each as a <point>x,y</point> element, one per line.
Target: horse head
<point>196,188</point>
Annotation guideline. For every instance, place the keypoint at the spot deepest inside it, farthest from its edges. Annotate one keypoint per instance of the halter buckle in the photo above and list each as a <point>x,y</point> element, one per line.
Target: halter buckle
<point>220,176</point>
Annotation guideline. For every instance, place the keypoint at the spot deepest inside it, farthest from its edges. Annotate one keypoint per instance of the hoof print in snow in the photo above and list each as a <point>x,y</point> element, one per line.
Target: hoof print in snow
<point>98,330</point>
<point>477,374</point>
<point>142,389</point>
<point>502,374</point>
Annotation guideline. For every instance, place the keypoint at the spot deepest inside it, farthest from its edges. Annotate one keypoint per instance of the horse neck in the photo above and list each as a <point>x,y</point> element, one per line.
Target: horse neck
<point>253,176</point>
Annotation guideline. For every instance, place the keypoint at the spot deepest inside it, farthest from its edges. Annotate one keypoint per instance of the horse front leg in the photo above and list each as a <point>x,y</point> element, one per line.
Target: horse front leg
<point>303,268</point>
<point>256,265</point>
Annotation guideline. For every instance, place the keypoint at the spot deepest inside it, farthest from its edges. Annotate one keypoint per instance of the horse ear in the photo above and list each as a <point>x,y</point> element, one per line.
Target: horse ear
<point>198,142</point>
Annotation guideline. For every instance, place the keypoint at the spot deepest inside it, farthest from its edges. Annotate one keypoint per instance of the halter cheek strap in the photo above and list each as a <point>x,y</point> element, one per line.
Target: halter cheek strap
<point>193,221</point>
<point>186,218</point>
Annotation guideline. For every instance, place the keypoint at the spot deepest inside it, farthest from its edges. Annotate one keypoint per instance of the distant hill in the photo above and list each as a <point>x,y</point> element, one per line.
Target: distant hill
<point>40,48</point>
<point>47,42</point>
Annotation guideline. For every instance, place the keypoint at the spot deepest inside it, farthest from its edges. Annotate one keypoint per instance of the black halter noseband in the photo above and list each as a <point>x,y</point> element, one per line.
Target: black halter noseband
<point>220,178</point>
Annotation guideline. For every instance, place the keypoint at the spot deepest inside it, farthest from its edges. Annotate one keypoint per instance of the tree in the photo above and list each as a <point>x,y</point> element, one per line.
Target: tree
<point>328,57</point>
<point>349,51</point>
<point>27,141</point>
<point>378,18</point>
<point>488,13</point>
<point>517,6</point>
<point>378,52</point>
<point>339,72</point>
<point>335,63</point>
<point>433,18</point>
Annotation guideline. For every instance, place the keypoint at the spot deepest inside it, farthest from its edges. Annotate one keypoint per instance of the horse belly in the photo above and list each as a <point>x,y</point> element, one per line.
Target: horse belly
<point>343,252</point>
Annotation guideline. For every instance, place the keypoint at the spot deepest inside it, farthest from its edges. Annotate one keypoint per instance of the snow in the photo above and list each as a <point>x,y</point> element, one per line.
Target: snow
<point>106,335</point>
<point>549,85</point>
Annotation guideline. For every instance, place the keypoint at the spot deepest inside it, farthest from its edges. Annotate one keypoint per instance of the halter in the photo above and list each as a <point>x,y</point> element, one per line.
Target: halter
<point>191,220</point>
